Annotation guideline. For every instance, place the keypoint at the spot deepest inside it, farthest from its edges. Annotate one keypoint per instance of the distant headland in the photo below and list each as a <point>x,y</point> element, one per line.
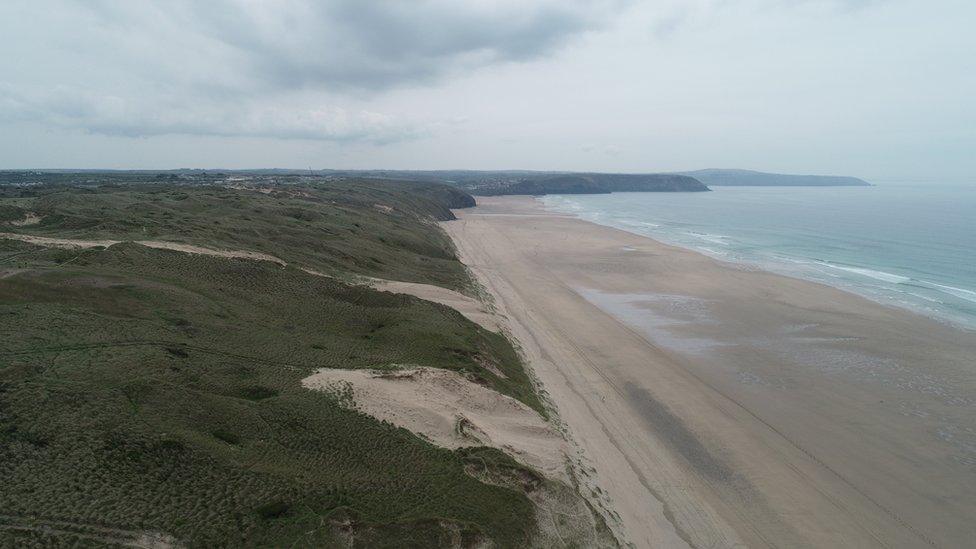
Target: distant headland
<point>749,178</point>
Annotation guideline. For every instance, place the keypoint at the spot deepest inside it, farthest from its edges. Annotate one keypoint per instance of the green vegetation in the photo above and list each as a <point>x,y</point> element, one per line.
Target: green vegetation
<point>590,183</point>
<point>150,391</point>
<point>361,227</point>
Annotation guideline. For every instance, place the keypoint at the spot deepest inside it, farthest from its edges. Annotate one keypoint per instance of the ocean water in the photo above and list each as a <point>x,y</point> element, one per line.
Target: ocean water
<point>908,244</point>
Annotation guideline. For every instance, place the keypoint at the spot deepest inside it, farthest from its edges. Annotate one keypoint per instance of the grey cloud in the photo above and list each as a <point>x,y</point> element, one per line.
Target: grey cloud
<point>372,46</point>
<point>281,69</point>
<point>74,109</point>
<point>680,14</point>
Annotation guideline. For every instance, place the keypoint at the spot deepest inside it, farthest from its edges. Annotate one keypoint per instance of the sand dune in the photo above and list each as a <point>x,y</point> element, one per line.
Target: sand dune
<point>473,309</point>
<point>450,411</point>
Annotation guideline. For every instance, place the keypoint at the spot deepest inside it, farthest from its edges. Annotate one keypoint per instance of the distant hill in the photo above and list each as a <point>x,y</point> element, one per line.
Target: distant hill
<point>742,178</point>
<point>532,182</point>
<point>475,182</point>
<point>506,182</point>
<point>588,183</point>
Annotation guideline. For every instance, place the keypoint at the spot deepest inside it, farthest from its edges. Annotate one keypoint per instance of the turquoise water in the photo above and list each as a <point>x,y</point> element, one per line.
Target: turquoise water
<point>906,244</point>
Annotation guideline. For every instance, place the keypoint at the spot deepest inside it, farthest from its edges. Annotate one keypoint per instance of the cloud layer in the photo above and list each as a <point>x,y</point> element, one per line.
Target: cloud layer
<point>872,88</point>
<point>350,44</point>
<point>112,115</point>
<point>279,69</point>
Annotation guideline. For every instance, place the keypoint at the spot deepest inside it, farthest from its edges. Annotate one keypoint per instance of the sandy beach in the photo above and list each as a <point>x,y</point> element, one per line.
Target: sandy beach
<point>718,406</point>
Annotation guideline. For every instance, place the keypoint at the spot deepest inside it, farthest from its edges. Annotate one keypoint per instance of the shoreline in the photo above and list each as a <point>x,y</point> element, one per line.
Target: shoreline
<point>719,406</point>
<point>821,271</point>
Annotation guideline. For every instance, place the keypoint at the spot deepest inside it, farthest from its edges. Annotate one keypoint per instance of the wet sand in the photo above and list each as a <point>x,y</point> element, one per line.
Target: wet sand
<point>717,406</point>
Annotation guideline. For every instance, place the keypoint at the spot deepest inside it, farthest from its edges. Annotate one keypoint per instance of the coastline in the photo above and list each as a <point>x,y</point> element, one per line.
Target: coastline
<point>715,406</point>
<point>866,254</point>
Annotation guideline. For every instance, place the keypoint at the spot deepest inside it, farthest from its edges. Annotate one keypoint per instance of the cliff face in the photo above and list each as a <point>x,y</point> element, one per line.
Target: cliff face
<point>594,183</point>
<point>745,178</point>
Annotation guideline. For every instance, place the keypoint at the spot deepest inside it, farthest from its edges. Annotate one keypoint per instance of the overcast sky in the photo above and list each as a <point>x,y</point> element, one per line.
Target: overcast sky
<point>873,88</point>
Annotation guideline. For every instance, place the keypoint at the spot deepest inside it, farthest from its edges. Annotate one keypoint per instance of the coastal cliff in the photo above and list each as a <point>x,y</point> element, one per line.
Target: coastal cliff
<point>745,178</point>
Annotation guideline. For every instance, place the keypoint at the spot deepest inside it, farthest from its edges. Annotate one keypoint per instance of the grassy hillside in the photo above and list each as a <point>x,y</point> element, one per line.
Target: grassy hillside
<point>350,227</point>
<point>150,392</point>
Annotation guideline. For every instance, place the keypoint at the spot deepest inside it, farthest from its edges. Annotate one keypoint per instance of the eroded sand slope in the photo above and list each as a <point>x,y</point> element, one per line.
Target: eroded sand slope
<point>473,309</point>
<point>450,411</point>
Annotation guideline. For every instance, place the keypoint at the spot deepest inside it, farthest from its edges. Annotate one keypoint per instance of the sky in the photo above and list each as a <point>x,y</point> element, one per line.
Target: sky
<point>880,89</point>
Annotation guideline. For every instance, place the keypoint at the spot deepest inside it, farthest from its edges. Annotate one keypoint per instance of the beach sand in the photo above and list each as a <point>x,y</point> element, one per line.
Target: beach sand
<point>718,406</point>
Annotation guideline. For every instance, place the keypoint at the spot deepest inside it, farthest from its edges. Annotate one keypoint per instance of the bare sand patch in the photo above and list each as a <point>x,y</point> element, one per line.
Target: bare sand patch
<point>190,249</point>
<point>314,272</point>
<point>471,308</point>
<point>30,219</point>
<point>450,411</point>
<point>67,243</point>
<point>249,187</point>
<point>73,243</point>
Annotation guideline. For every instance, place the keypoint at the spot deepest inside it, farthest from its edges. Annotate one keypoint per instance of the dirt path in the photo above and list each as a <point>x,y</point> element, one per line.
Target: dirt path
<point>189,249</point>
<point>67,243</point>
<point>77,244</point>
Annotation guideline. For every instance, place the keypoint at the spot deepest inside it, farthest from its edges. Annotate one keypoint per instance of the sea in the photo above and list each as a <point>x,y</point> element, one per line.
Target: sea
<point>907,244</point>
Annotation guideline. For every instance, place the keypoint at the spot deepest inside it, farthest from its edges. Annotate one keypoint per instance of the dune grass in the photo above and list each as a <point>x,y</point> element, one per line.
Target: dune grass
<point>151,391</point>
<point>363,227</point>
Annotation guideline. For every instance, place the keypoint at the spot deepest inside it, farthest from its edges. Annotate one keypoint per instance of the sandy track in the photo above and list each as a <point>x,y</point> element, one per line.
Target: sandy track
<point>67,243</point>
<point>189,249</point>
<point>720,406</point>
<point>72,243</point>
